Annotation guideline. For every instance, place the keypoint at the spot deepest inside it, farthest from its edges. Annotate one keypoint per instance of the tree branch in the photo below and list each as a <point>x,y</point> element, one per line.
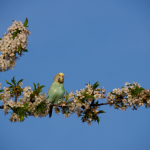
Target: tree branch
<point>60,105</point>
<point>16,95</point>
<point>92,104</point>
<point>119,100</point>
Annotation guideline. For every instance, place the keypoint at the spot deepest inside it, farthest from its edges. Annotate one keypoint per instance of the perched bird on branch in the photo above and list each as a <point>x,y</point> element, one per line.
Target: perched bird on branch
<point>56,91</point>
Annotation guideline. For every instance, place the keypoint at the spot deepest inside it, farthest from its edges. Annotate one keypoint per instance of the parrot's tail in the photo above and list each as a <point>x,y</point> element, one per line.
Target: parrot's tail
<point>50,111</point>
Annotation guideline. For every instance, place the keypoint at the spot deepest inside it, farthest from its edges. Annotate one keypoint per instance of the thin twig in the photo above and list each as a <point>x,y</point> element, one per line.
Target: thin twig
<point>16,95</point>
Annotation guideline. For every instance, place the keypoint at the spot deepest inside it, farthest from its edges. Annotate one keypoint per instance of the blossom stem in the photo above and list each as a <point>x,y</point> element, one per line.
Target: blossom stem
<point>16,95</point>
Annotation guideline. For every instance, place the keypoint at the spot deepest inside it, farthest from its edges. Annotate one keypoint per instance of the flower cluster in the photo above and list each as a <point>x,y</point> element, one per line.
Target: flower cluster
<point>13,42</point>
<point>130,95</point>
<point>32,102</point>
<point>82,102</point>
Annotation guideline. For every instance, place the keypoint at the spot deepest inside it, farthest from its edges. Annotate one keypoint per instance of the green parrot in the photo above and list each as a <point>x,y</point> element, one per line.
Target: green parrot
<point>56,91</point>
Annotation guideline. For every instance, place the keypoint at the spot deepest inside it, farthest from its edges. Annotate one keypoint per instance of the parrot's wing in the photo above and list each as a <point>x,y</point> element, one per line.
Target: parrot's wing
<point>48,93</point>
<point>51,96</point>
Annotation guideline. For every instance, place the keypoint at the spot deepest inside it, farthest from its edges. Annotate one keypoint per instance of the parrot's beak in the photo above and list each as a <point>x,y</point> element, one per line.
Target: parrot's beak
<point>61,79</point>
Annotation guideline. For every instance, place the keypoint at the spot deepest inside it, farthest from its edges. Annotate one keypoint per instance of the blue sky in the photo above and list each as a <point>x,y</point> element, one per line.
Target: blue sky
<point>88,40</point>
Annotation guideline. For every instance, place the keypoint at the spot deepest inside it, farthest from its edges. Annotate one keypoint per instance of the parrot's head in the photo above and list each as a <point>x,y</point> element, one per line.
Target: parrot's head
<point>59,78</point>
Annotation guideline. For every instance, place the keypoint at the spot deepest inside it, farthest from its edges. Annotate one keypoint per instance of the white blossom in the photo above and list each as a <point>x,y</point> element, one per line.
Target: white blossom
<point>71,95</point>
<point>20,84</point>
<point>8,44</point>
<point>86,105</point>
<point>127,84</point>
<point>88,86</point>
<point>78,93</point>
<point>82,90</point>
<point>81,96</point>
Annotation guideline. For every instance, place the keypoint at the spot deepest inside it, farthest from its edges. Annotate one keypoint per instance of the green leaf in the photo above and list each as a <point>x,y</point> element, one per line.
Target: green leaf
<point>19,49</point>
<point>19,81</point>
<point>89,96</point>
<point>34,86</point>
<point>42,86</point>
<point>67,96</point>
<point>32,95</point>
<point>25,105</point>
<point>1,90</point>
<point>27,111</point>
<point>13,80</point>
<point>8,82</point>
<point>21,117</point>
<point>0,38</point>
<point>141,88</point>
<point>25,23</point>
<point>101,111</point>
<point>98,120</point>
<point>43,109</point>
<point>113,93</point>
<point>15,33</point>
<point>95,85</point>
<point>38,110</point>
<point>25,50</point>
